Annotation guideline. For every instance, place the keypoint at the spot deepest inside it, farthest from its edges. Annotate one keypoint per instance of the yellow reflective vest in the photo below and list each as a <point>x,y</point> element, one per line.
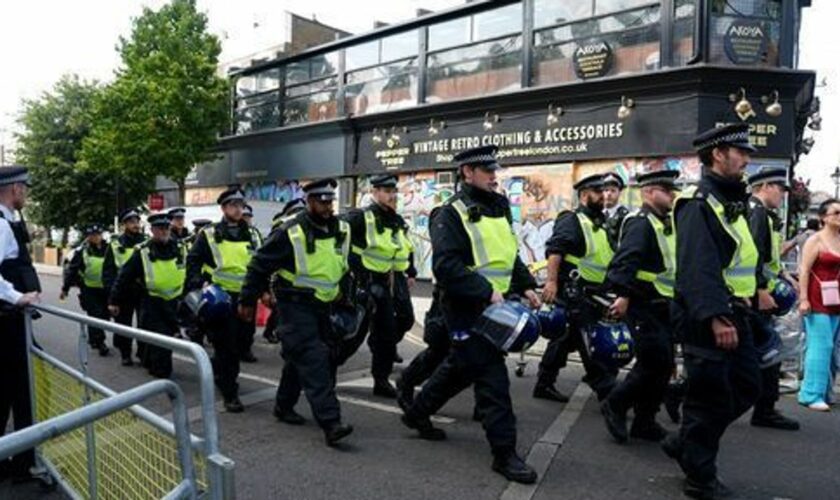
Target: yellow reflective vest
<point>322,269</point>
<point>385,251</point>
<point>598,254</point>
<point>164,278</point>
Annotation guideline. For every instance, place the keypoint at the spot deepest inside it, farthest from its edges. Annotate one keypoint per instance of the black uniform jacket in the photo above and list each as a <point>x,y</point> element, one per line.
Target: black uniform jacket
<point>385,218</point>
<point>637,250</point>
<point>465,293</point>
<point>704,249</point>
<point>277,253</point>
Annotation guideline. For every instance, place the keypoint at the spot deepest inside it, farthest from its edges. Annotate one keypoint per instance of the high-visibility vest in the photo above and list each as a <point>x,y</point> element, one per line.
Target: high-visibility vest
<point>598,254</point>
<point>121,253</point>
<point>230,260</point>
<point>321,270</point>
<point>386,251</point>
<point>663,281</point>
<point>256,237</point>
<point>739,272</point>
<point>164,278</point>
<point>92,275</point>
<point>494,246</point>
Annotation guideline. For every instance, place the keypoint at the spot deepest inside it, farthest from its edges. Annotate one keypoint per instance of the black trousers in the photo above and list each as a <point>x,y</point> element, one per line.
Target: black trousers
<point>644,386</point>
<point>225,335</point>
<point>246,339</point>
<point>391,317</point>
<point>15,398</point>
<point>600,378</point>
<point>474,361</point>
<point>305,331</point>
<point>121,342</point>
<point>763,326</point>
<point>94,301</point>
<point>438,342</point>
<point>720,387</point>
<point>158,316</point>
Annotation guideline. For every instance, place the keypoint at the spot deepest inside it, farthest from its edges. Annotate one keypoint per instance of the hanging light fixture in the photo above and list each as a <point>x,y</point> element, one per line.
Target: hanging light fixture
<point>743,108</point>
<point>490,121</point>
<point>807,145</point>
<point>376,138</point>
<point>395,136</point>
<point>554,114</point>
<point>774,107</point>
<point>626,108</point>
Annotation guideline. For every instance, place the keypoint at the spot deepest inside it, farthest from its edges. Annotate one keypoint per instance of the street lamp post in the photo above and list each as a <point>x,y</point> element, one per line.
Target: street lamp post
<point>835,176</point>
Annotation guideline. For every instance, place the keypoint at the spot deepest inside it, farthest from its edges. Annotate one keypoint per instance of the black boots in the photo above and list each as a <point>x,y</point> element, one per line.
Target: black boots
<point>514,468</point>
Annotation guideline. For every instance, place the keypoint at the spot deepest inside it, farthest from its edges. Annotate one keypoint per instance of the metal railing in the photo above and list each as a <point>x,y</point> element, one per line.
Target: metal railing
<point>219,467</point>
<point>41,432</point>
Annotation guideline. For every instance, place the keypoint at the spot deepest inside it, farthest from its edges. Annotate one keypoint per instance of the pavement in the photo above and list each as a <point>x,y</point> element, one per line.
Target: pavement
<point>568,444</point>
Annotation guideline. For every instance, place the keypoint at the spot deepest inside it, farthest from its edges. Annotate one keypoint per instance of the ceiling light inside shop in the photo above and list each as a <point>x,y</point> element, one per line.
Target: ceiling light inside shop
<point>554,114</point>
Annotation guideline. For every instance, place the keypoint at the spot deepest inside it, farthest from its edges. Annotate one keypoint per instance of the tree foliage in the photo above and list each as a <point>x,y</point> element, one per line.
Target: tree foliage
<point>53,128</point>
<point>163,112</point>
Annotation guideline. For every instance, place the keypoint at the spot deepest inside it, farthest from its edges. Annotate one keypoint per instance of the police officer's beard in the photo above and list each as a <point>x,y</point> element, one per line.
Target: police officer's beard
<point>595,205</point>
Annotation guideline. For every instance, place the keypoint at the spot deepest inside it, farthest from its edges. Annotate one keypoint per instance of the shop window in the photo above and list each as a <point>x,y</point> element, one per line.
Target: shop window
<point>388,81</point>
<point>483,55</point>
<point>682,44</point>
<point>479,69</point>
<point>553,12</point>
<point>745,32</point>
<point>630,38</point>
<point>311,87</point>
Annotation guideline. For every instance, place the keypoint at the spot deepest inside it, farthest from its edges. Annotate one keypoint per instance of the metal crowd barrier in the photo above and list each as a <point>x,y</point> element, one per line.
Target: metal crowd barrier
<point>58,426</point>
<point>132,453</point>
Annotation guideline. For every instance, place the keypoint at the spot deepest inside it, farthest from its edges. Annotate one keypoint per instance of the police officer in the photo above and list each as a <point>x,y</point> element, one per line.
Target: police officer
<point>308,255</point>
<point>578,253</point>
<point>614,211</point>
<point>246,354</point>
<point>179,229</point>
<point>642,274</point>
<point>382,260</point>
<point>85,272</point>
<point>120,249</point>
<point>159,267</point>
<point>475,263</point>
<point>225,248</point>
<point>289,210</point>
<point>716,278</point>
<point>19,287</point>
<point>768,192</point>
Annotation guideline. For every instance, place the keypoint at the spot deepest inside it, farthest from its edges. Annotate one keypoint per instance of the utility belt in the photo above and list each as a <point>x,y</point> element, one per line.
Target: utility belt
<point>298,296</point>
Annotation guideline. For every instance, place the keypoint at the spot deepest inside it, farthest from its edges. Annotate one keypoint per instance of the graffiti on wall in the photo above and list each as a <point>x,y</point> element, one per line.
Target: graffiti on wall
<point>275,191</point>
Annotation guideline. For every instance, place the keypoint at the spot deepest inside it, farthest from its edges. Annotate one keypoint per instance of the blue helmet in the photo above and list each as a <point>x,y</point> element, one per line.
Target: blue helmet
<point>215,304</point>
<point>509,325</point>
<point>552,321</point>
<point>785,296</point>
<point>609,343</point>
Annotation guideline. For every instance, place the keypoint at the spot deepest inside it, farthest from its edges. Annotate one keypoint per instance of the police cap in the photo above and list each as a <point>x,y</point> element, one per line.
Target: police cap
<point>483,156</point>
<point>92,229</point>
<point>290,207</point>
<point>769,175</point>
<point>14,174</point>
<point>613,179</point>
<point>177,212</point>
<point>384,181</point>
<point>664,178</point>
<point>199,223</point>
<point>248,211</point>
<point>736,135</point>
<point>129,213</point>
<point>594,181</point>
<point>159,219</point>
<point>230,194</point>
<point>322,189</point>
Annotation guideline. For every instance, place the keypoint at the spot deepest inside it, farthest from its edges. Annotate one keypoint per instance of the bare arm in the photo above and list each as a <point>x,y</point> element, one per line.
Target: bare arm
<point>809,255</point>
